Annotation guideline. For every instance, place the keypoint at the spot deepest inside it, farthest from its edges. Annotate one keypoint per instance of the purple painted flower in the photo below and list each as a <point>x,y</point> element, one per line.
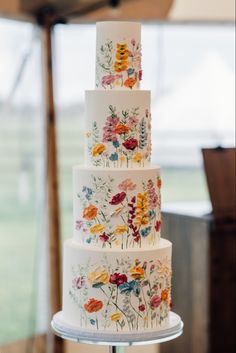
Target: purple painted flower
<point>78,282</point>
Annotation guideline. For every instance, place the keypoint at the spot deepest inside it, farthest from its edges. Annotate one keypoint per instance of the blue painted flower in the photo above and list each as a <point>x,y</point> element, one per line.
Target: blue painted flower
<point>126,287</point>
<point>151,214</point>
<point>136,288</point>
<point>92,322</point>
<point>114,157</point>
<point>116,143</point>
<point>144,232</point>
<point>88,240</point>
<point>130,71</point>
<point>88,192</point>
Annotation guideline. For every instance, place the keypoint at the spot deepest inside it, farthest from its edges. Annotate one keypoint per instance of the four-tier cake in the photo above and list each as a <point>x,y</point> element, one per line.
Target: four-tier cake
<point>117,268</point>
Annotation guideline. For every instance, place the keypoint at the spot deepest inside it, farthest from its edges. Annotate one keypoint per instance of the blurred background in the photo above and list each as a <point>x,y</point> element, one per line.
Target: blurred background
<point>189,66</point>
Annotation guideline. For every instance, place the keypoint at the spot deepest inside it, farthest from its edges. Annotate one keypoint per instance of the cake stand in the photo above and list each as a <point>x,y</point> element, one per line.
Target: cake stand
<point>117,343</point>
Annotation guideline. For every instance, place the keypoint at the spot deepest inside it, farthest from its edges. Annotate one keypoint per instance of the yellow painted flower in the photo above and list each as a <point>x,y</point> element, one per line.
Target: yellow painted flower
<point>117,242</point>
<point>137,272</point>
<point>116,316</point>
<point>141,209</point>
<point>137,157</point>
<point>100,275</point>
<point>97,228</point>
<point>145,318</point>
<point>120,229</point>
<point>98,149</point>
<point>122,158</point>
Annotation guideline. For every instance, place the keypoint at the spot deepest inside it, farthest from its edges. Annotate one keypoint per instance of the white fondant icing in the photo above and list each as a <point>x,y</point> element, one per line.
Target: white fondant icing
<point>118,128</point>
<point>114,290</point>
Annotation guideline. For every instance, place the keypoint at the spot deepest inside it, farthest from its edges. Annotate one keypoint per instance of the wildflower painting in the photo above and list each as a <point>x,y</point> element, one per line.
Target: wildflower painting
<point>122,141</point>
<point>118,65</point>
<point>127,294</point>
<point>123,214</point>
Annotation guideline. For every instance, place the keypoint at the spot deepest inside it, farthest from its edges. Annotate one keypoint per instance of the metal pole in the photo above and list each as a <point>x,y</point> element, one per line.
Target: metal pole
<point>116,349</point>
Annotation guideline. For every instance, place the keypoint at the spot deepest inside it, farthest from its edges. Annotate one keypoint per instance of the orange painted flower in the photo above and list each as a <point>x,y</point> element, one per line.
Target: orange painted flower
<point>120,66</point>
<point>130,82</point>
<point>98,149</point>
<point>121,129</point>
<point>137,272</point>
<point>90,212</point>
<point>159,182</point>
<point>93,305</point>
<point>165,295</point>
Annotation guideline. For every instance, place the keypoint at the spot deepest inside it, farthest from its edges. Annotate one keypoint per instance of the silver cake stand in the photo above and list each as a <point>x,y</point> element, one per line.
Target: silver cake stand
<point>117,343</point>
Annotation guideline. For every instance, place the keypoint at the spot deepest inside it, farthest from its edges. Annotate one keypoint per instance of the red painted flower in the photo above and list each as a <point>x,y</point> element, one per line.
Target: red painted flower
<point>141,307</point>
<point>158,226</point>
<point>104,237</point>
<point>155,301</point>
<point>118,198</point>
<point>130,144</point>
<point>140,75</point>
<point>118,278</point>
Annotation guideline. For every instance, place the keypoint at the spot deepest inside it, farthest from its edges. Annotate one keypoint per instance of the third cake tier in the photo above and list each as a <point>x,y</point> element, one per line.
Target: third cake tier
<point>117,208</point>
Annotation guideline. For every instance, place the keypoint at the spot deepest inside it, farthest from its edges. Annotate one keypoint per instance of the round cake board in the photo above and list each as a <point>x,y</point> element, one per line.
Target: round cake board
<point>167,332</point>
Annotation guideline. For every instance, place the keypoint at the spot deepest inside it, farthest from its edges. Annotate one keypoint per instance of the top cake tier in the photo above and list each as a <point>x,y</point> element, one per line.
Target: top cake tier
<point>118,55</point>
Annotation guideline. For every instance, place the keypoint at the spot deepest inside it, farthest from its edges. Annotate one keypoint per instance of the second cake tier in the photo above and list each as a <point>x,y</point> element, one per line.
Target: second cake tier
<point>118,128</point>
<point>117,208</point>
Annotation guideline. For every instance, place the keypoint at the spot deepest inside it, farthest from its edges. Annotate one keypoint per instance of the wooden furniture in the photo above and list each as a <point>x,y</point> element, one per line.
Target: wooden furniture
<point>203,280</point>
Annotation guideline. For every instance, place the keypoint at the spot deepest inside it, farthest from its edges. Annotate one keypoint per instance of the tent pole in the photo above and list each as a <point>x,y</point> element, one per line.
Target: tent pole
<point>55,344</point>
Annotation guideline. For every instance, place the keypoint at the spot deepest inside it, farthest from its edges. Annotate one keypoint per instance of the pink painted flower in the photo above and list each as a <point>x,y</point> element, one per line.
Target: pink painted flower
<point>118,278</point>
<point>127,184</point>
<point>130,144</point>
<point>109,79</point>
<point>108,129</point>
<point>133,41</point>
<point>152,197</point>
<point>155,301</point>
<point>141,307</point>
<point>132,121</point>
<point>118,198</point>
<point>78,282</point>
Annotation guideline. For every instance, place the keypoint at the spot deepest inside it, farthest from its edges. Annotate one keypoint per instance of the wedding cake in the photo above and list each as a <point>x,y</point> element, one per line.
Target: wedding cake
<point>117,268</point>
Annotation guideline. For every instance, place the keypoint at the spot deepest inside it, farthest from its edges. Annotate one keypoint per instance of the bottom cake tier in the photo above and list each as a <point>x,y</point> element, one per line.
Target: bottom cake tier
<point>115,290</point>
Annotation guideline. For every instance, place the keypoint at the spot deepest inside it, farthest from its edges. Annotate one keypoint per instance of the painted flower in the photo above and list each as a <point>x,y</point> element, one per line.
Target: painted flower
<point>141,209</point>
<point>130,82</point>
<point>127,184</point>
<point>120,229</point>
<point>104,237</point>
<point>132,121</point>
<point>137,157</point>
<point>158,226</point>
<point>127,287</point>
<point>137,272</point>
<point>121,129</point>
<point>118,198</point>
<point>145,231</point>
<point>120,66</point>
<point>90,212</point>
<point>93,305</point>
<point>116,316</point>
<point>97,228</point>
<point>79,224</point>
<point>130,71</point>
<point>98,149</point>
<point>136,288</point>
<point>116,143</point>
<point>141,307</point>
<point>155,301</point>
<point>117,211</point>
<point>113,157</point>
<point>78,282</point>
<point>159,182</point>
<point>165,295</point>
<point>118,278</point>
<point>130,144</point>
<point>152,197</point>
<point>98,277</point>
<point>109,79</point>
